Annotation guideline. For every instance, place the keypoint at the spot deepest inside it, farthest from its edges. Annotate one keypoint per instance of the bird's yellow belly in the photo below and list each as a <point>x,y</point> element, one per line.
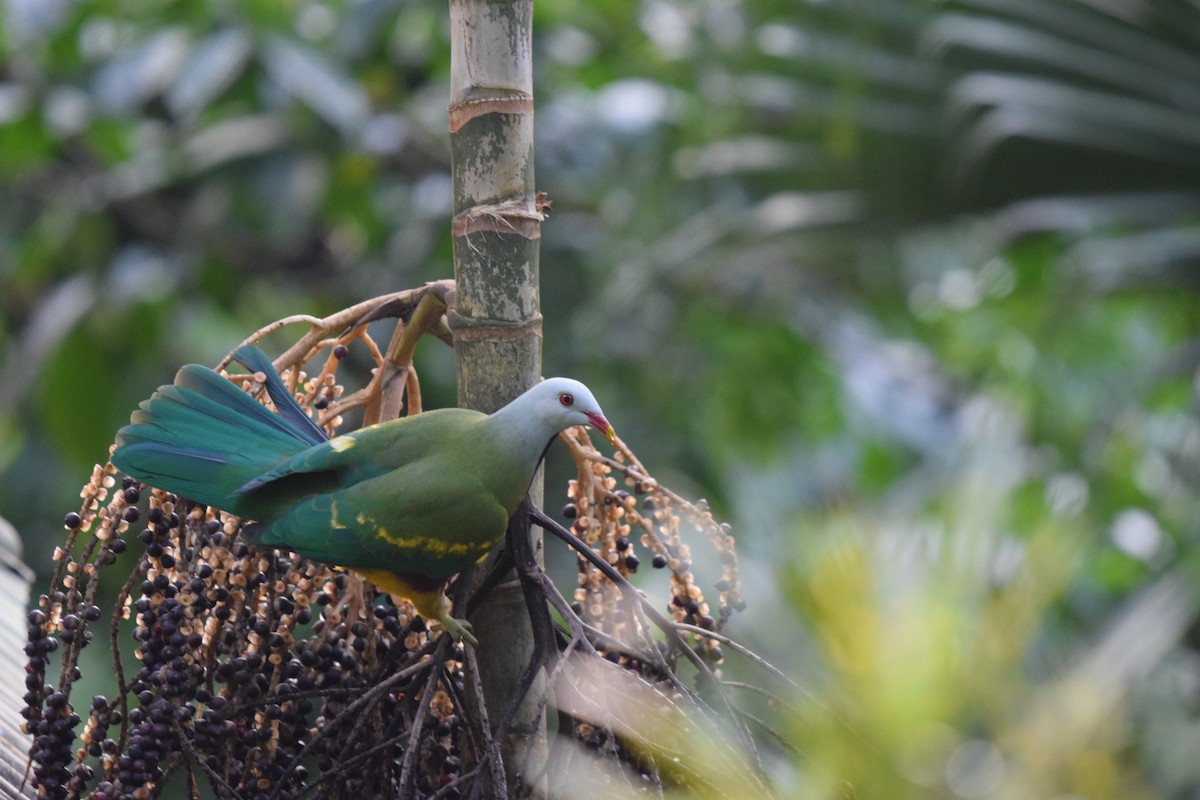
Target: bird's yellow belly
<point>427,601</point>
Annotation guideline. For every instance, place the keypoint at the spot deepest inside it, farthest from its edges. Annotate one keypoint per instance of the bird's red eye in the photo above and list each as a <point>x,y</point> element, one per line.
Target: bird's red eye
<point>566,399</point>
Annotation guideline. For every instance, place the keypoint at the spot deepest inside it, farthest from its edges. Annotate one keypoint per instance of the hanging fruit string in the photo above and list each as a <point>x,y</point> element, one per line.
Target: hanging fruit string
<point>606,517</point>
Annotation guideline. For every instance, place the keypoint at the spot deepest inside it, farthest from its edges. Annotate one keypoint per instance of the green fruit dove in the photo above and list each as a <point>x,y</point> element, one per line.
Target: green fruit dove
<point>406,503</point>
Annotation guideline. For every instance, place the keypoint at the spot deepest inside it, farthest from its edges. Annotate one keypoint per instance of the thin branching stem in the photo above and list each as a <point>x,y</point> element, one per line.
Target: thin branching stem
<point>665,625</point>
<point>738,648</point>
<point>453,786</point>
<point>408,775</point>
<point>491,753</point>
<point>360,705</point>
<point>193,757</point>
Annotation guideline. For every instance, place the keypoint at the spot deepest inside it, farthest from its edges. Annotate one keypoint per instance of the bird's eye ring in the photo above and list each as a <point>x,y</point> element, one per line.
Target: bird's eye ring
<point>566,399</point>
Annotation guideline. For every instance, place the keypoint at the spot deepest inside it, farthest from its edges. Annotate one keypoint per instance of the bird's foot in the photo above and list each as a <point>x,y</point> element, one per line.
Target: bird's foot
<point>431,603</point>
<point>459,629</point>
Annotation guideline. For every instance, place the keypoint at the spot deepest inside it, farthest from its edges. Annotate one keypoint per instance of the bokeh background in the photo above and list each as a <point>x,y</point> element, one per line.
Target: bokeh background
<point>906,289</point>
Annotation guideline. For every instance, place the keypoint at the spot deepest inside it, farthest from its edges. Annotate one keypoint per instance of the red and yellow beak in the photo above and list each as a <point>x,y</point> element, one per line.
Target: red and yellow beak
<point>604,426</point>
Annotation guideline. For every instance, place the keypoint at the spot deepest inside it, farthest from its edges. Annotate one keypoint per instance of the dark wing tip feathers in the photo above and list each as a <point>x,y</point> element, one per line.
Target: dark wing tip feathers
<point>250,485</point>
<point>253,532</point>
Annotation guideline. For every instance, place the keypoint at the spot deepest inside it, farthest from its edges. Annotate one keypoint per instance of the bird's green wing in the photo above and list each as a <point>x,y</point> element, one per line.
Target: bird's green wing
<point>372,451</point>
<point>428,517</point>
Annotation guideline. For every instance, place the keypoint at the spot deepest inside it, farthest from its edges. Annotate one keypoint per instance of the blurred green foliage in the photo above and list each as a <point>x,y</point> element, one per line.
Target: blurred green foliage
<point>880,277</point>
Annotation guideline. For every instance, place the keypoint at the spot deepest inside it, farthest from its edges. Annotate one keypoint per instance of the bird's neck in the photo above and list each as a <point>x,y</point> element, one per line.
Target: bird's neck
<point>520,434</point>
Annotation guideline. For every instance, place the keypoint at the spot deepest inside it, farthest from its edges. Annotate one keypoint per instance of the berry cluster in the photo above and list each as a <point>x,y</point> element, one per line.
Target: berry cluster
<point>248,662</point>
<point>610,520</point>
<point>257,670</point>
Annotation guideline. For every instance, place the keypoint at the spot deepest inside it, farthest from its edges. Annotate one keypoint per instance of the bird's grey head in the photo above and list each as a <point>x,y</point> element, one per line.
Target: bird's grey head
<point>564,403</point>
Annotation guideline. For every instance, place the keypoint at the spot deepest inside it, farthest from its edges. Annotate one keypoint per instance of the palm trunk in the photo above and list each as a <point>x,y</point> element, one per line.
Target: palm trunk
<point>496,319</point>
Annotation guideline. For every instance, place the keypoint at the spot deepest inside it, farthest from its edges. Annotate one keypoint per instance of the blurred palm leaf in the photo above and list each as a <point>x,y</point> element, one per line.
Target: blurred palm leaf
<point>965,106</point>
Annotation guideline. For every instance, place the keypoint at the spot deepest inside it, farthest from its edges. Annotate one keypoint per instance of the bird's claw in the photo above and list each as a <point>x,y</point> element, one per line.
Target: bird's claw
<point>459,629</point>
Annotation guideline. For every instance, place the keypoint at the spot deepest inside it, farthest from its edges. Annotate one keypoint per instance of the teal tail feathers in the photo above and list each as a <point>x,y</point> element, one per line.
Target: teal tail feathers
<point>256,360</point>
<point>202,437</point>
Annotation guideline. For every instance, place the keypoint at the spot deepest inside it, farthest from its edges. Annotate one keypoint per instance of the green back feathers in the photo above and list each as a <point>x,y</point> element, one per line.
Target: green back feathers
<point>411,496</point>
